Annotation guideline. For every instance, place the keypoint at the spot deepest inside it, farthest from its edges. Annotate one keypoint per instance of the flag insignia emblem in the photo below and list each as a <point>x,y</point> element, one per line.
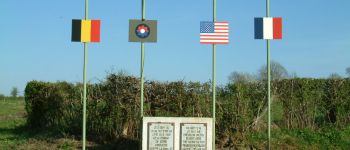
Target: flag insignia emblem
<point>214,32</point>
<point>142,31</point>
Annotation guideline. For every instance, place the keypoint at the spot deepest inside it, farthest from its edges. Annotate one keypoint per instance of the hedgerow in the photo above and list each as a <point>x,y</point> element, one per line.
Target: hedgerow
<point>113,105</point>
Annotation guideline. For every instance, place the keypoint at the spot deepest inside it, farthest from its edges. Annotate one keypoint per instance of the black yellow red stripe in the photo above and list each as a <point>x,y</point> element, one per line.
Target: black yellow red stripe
<point>85,30</point>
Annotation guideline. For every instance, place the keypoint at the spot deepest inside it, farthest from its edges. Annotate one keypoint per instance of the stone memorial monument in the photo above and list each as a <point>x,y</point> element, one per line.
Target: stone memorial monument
<point>176,133</point>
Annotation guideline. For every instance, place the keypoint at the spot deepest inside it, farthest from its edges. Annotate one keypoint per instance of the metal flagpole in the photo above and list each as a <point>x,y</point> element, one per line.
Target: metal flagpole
<point>142,65</point>
<point>214,77</point>
<point>142,75</point>
<point>143,14</point>
<point>269,91</point>
<point>268,78</point>
<point>84,81</point>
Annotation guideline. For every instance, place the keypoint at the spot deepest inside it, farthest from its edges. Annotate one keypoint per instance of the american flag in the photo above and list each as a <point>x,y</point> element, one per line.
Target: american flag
<point>214,32</point>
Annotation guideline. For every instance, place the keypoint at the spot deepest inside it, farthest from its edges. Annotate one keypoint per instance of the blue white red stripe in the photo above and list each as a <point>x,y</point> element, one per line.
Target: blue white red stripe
<point>214,32</point>
<point>268,28</point>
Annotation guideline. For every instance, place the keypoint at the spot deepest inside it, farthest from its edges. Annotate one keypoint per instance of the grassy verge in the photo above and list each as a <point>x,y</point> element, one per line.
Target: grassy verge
<point>326,138</point>
<point>15,135</point>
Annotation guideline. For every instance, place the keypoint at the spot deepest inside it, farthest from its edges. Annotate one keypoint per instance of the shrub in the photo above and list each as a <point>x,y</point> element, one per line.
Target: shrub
<point>113,105</point>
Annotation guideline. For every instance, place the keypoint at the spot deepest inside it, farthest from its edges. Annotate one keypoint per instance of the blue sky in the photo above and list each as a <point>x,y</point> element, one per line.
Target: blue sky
<point>35,40</point>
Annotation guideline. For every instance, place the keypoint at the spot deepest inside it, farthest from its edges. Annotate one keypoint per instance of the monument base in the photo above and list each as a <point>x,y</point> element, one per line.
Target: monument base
<point>176,133</point>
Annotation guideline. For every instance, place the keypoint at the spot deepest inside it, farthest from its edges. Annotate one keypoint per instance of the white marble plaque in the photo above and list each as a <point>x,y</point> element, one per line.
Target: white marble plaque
<point>176,133</point>
<point>160,136</point>
<point>193,136</point>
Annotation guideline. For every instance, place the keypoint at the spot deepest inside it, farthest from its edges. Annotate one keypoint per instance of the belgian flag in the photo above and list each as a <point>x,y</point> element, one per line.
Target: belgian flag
<point>85,30</point>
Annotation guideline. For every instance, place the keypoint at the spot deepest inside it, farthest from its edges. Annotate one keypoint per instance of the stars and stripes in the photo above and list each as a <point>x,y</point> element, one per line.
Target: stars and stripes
<point>214,32</point>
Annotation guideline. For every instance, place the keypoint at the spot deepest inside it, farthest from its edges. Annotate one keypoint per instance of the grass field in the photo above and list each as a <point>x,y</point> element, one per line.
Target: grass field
<point>15,135</point>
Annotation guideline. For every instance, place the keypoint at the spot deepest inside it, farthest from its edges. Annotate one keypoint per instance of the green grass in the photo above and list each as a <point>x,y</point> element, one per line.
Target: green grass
<point>12,117</point>
<point>15,135</point>
<point>330,138</point>
<point>327,137</point>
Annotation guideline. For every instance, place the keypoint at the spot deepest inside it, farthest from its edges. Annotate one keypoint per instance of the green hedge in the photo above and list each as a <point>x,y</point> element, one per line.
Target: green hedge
<point>52,105</point>
<point>113,105</point>
<point>312,103</point>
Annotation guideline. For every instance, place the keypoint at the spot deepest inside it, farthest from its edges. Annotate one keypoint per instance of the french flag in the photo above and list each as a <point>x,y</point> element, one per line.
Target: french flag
<point>268,28</point>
